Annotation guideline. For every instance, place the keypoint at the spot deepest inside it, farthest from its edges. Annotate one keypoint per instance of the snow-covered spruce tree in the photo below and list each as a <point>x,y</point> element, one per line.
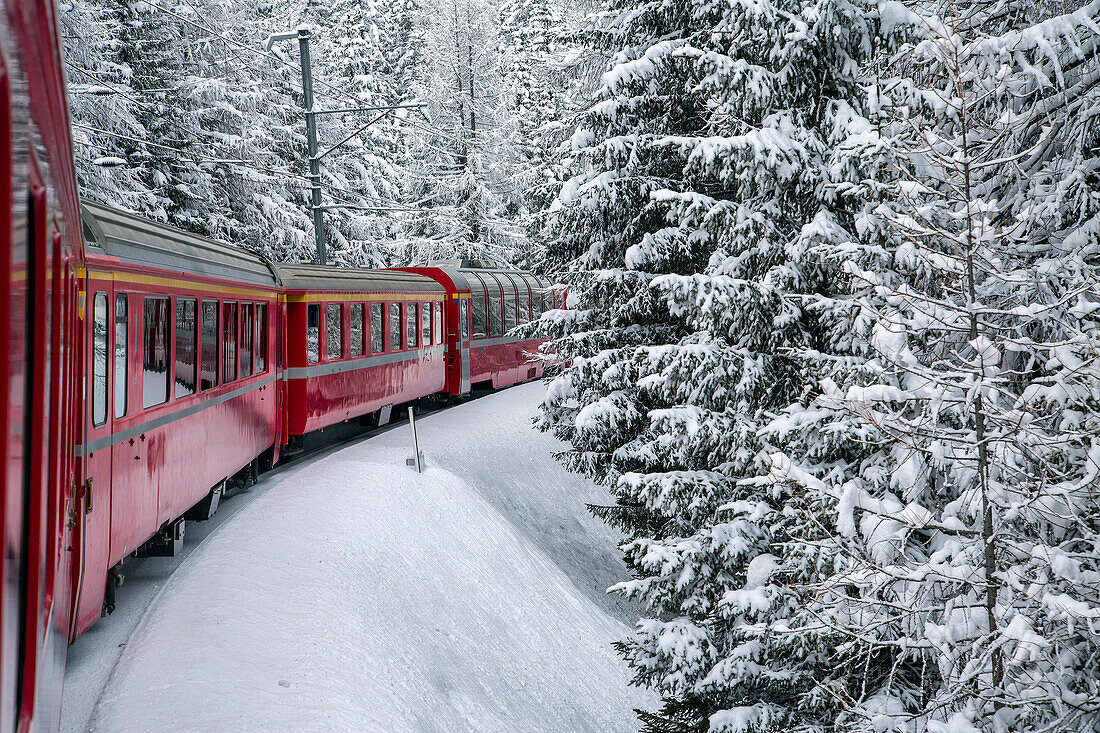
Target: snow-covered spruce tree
<point>969,532</point>
<point>183,117</point>
<point>703,176</point>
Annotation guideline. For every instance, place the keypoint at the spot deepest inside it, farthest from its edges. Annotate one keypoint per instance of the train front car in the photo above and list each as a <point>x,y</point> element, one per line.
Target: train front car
<point>484,305</point>
<point>182,389</point>
<point>358,343</point>
<point>40,256</point>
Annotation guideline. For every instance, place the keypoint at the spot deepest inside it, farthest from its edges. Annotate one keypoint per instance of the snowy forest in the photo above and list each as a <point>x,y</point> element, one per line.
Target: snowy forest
<point>833,326</point>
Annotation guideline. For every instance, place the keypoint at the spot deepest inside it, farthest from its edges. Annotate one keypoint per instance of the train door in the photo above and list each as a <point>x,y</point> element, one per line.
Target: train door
<point>35,425</point>
<point>12,363</point>
<point>93,521</point>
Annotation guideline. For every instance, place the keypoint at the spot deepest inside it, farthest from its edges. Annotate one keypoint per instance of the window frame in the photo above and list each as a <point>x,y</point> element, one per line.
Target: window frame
<point>412,324</point>
<point>478,298</point>
<point>230,347</point>
<point>426,323</point>
<point>532,293</point>
<point>464,319</point>
<point>101,399</point>
<point>168,325</point>
<point>122,298</point>
<point>381,328</point>
<point>394,325</point>
<point>313,357</point>
<point>215,337</point>
<point>260,343</point>
<point>341,347</point>
<point>509,303</point>
<point>179,302</point>
<point>359,308</point>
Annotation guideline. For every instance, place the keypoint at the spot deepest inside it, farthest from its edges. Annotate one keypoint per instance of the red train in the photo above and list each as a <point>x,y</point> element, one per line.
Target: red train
<point>203,361</point>
<point>200,362</point>
<point>145,366</point>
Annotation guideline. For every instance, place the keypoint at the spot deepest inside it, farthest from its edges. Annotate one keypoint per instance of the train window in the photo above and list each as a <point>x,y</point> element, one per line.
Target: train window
<point>395,326</point>
<point>313,333</point>
<point>186,341</point>
<point>229,342</point>
<point>355,329</point>
<point>426,324</point>
<point>527,303</point>
<point>463,312</point>
<point>532,286</point>
<point>248,322</point>
<point>209,345</point>
<point>481,312</point>
<point>410,325</point>
<point>496,323</point>
<point>261,338</point>
<point>155,373</point>
<point>511,302</point>
<point>122,352</point>
<point>438,322</point>
<point>209,370</point>
<point>376,328</point>
<point>334,327</point>
<point>99,359</point>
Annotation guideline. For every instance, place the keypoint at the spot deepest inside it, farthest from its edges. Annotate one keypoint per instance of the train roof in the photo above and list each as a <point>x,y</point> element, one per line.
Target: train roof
<point>318,277</point>
<point>139,241</point>
<point>458,270</point>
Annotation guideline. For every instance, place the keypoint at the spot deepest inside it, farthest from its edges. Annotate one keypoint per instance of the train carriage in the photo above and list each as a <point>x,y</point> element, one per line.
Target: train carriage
<point>484,305</point>
<point>358,342</point>
<point>40,256</point>
<point>182,391</point>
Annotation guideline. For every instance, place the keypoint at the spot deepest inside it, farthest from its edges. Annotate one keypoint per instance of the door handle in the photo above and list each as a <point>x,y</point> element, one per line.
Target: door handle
<point>88,496</point>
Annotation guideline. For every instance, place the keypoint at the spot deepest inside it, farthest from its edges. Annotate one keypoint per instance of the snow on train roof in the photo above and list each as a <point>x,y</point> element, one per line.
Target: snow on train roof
<point>318,277</point>
<point>139,241</point>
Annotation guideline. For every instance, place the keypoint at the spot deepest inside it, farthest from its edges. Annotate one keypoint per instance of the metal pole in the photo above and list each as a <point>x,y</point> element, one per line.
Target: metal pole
<point>311,138</point>
<point>416,443</point>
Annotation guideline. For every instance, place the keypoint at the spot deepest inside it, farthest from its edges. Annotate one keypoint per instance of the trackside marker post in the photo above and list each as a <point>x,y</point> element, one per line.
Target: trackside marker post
<point>417,457</point>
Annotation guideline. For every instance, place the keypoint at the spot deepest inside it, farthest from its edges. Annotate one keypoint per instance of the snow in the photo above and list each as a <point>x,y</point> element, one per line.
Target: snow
<point>355,594</point>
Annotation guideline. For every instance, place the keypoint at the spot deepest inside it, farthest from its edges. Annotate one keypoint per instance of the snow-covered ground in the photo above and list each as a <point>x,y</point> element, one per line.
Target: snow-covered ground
<point>351,593</point>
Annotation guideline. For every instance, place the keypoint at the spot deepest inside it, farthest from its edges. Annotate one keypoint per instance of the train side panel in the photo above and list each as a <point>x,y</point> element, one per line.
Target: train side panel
<point>183,393</point>
<point>365,363</point>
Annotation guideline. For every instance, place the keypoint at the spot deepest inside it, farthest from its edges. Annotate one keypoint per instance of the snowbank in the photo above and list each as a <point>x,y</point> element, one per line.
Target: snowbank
<point>355,594</point>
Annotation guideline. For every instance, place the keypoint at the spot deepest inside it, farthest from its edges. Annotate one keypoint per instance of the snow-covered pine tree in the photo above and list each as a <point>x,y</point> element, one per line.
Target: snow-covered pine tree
<point>217,144</point>
<point>136,133</point>
<point>969,559</point>
<point>529,31</point>
<point>703,176</point>
<point>219,155</point>
<point>465,154</point>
